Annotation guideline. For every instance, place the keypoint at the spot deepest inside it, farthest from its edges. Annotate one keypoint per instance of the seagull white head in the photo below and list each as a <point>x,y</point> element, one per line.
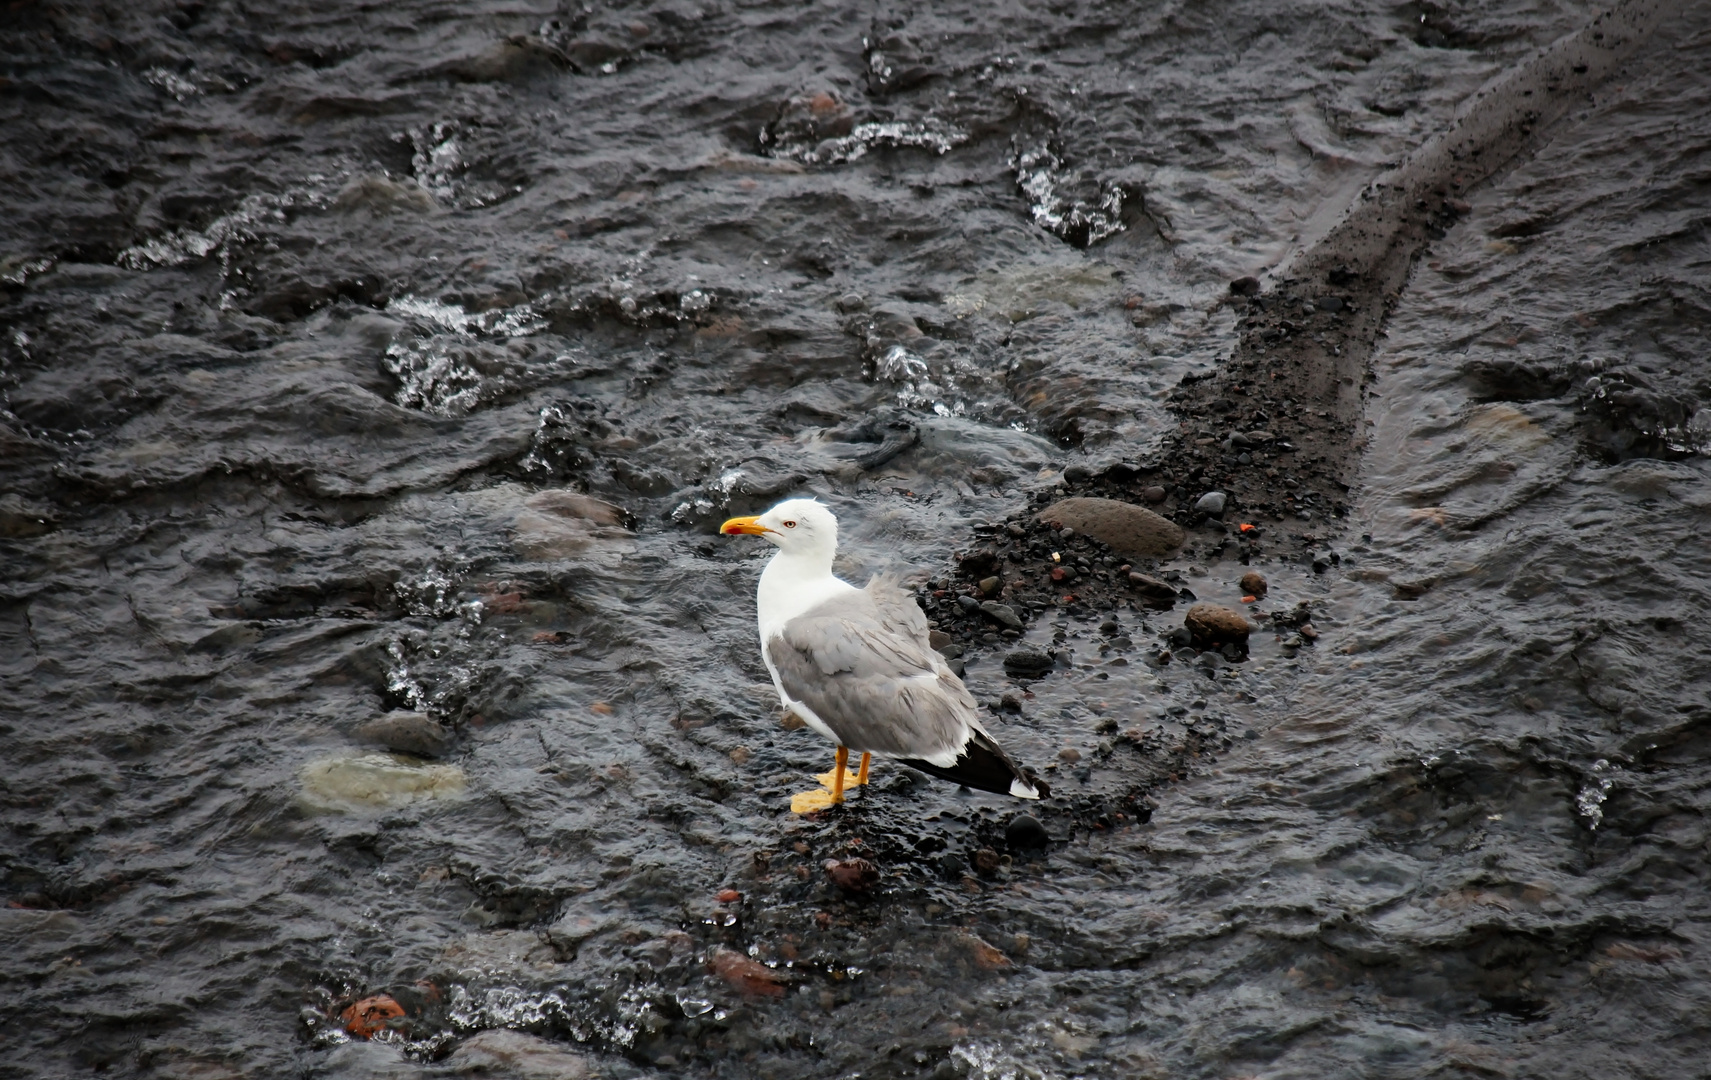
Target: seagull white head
<point>795,527</point>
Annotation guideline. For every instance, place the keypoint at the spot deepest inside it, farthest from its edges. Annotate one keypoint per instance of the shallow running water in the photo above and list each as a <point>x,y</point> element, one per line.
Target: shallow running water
<point>309,311</point>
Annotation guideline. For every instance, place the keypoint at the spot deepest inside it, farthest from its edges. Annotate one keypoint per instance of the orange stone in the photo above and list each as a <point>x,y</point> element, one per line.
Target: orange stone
<point>751,978</point>
<point>368,1017</point>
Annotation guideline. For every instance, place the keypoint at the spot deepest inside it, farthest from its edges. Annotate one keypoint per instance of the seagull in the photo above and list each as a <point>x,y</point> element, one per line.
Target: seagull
<point>855,665</point>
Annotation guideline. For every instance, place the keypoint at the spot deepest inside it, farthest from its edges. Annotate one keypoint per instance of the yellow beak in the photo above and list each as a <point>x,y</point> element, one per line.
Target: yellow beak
<point>744,527</point>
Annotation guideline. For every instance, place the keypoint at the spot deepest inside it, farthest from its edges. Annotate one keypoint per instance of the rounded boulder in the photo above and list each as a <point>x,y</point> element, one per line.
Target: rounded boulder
<point>1123,527</point>
<point>1214,624</point>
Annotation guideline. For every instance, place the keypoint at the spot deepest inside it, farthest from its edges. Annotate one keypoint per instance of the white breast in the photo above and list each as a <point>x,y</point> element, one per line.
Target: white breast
<point>788,588</point>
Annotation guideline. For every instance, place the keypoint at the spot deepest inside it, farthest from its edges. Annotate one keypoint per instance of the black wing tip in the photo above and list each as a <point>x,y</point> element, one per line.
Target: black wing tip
<point>984,767</point>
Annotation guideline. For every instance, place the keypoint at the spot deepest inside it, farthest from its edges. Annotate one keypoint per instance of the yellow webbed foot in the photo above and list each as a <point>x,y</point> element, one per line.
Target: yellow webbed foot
<point>828,779</point>
<point>807,802</point>
<point>855,779</point>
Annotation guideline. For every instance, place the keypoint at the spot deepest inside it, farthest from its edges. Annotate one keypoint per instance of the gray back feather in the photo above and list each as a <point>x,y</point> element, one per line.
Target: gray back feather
<point>861,661</point>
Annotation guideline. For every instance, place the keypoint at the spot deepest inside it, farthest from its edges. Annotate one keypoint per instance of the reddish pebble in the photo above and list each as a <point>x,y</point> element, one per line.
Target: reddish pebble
<point>854,875</point>
<point>728,896</point>
<point>368,1017</point>
<point>751,978</point>
<point>1249,599</point>
<point>984,955</point>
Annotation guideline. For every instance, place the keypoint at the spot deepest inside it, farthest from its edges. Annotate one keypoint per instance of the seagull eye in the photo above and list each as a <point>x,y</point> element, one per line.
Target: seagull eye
<point>789,524</point>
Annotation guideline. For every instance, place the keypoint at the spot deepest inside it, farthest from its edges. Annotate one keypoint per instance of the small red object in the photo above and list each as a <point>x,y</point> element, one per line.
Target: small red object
<point>727,896</point>
<point>1248,599</point>
<point>1245,527</point>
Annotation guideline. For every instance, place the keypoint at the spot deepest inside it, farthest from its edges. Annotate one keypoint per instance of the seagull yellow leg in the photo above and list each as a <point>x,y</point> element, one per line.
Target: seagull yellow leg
<point>806,802</point>
<point>830,779</point>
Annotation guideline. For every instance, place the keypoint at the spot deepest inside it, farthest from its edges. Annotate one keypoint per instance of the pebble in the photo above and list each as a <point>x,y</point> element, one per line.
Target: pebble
<point>1010,702</point>
<point>1151,587</point>
<point>407,732</point>
<point>852,875</point>
<point>1129,530</point>
<point>985,956</point>
<point>1025,831</point>
<point>369,1017</point>
<point>1069,755</point>
<point>938,639</point>
<point>1330,303</point>
<point>1254,583</point>
<point>1027,664</point>
<point>1154,494</point>
<point>1216,624</point>
<point>1245,286</point>
<point>852,301</point>
<point>501,1051</point>
<point>751,978</point>
<point>1002,614</point>
<point>1211,504</point>
<point>968,603</point>
<point>1076,474</point>
<point>989,586</point>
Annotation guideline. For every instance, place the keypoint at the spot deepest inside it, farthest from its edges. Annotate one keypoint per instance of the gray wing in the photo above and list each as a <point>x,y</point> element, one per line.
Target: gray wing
<point>862,664</point>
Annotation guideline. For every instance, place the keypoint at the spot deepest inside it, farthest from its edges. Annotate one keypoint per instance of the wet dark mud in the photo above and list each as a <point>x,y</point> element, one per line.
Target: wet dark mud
<point>379,702</point>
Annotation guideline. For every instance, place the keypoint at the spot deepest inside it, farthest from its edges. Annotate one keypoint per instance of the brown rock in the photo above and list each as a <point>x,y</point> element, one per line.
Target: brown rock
<point>1123,527</point>
<point>980,564</point>
<point>1151,587</point>
<point>1155,494</point>
<point>984,955</point>
<point>1217,625</point>
<point>368,1017</point>
<point>853,875</point>
<point>751,978</point>
<point>1253,583</point>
